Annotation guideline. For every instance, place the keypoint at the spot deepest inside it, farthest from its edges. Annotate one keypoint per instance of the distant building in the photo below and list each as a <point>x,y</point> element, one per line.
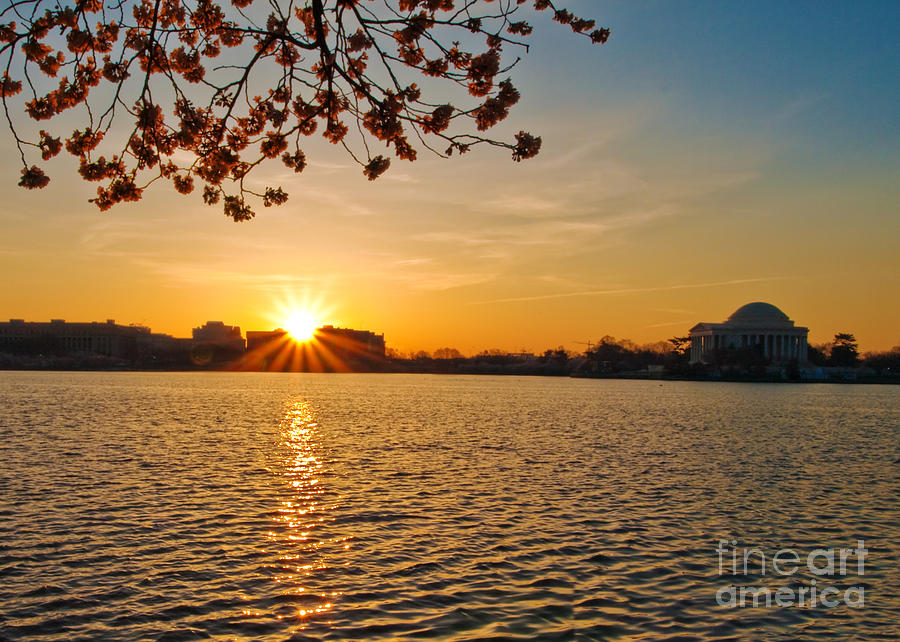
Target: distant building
<point>756,326</point>
<point>216,334</point>
<point>522,356</point>
<point>348,344</point>
<point>213,345</point>
<point>60,337</point>
<point>164,349</point>
<point>259,338</point>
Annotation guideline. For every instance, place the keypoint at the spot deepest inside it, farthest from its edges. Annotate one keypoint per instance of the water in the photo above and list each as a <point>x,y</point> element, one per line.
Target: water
<point>273,506</point>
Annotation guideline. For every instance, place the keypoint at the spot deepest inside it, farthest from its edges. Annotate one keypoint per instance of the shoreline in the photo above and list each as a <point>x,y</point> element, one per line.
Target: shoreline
<point>862,380</point>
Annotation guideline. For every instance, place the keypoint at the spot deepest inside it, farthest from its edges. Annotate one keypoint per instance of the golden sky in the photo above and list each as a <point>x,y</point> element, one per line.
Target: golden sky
<point>678,180</point>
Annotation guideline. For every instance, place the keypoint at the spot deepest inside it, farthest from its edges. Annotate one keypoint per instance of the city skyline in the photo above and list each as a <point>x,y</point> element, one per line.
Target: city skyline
<point>305,332</point>
<point>706,156</point>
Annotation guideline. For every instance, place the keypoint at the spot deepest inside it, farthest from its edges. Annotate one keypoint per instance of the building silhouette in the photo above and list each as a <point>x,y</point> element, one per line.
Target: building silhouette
<point>350,344</point>
<point>215,334</point>
<point>212,345</point>
<point>58,337</point>
<point>260,338</point>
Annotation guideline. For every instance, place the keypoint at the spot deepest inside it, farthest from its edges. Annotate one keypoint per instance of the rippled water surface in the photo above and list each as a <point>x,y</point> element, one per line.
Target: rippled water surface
<point>272,506</point>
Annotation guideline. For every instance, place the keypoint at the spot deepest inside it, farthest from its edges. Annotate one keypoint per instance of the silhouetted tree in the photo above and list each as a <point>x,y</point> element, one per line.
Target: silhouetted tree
<point>448,353</point>
<point>607,350</point>
<point>393,353</point>
<point>844,350</point>
<point>818,354</point>
<point>560,354</point>
<point>885,363</point>
<point>493,352</point>
<point>610,355</point>
<point>141,78</point>
<point>681,345</point>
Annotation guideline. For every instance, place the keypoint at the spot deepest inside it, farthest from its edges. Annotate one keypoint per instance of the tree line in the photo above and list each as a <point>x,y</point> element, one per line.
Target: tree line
<point>611,356</point>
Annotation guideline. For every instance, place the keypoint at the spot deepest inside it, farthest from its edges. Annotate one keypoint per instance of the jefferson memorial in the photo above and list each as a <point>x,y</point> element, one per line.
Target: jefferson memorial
<point>759,326</point>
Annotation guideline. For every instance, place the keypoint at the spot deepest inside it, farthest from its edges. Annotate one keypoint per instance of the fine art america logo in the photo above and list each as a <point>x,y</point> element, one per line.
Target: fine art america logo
<point>821,562</point>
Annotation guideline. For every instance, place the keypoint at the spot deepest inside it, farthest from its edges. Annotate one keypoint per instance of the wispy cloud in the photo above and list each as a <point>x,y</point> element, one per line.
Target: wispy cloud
<point>400,177</point>
<point>107,234</point>
<point>438,280</point>
<point>683,286</point>
<point>522,204</point>
<point>334,200</point>
<point>194,274</point>
<point>672,310</point>
<point>614,125</point>
<point>427,274</point>
<point>796,107</point>
<point>326,165</point>
<point>416,261</point>
<point>669,323</point>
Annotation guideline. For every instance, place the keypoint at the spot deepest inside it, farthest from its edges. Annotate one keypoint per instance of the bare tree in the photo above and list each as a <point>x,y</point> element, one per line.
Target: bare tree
<point>448,353</point>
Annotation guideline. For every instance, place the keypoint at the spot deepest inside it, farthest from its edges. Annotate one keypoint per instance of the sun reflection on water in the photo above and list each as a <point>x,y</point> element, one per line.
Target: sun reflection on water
<point>303,511</point>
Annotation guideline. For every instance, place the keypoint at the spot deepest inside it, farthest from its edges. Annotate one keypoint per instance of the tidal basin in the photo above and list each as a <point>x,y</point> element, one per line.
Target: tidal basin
<point>180,506</point>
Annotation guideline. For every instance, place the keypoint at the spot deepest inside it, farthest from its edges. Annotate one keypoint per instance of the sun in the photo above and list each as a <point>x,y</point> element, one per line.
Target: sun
<point>301,326</point>
<point>300,314</point>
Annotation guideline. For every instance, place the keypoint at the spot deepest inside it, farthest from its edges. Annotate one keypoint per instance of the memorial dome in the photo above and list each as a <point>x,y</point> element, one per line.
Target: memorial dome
<point>758,313</point>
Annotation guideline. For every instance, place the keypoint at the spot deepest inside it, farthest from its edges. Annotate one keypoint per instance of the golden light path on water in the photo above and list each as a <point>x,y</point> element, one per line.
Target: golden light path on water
<point>302,513</point>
